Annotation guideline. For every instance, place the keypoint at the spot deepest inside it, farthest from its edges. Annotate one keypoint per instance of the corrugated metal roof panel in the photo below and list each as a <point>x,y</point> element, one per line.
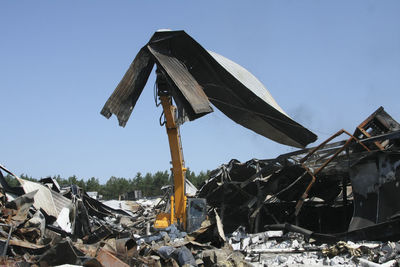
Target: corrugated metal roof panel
<point>123,99</point>
<point>50,201</point>
<point>182,78</point>
<point>227,85</point>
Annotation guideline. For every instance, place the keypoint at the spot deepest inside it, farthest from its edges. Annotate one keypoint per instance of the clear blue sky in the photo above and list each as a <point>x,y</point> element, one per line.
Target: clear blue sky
<point>328,64</point>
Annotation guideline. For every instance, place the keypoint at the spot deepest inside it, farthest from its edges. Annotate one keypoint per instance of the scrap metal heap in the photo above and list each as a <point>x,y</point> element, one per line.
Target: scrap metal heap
<point>43,225</point>
<point>328,205</point>
<point>343,190</point>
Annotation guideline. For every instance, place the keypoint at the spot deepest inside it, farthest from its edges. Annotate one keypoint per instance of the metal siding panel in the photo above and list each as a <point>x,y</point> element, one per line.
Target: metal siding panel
<point>124,98</point>
<point>50,201</point>
<point>185,82</point>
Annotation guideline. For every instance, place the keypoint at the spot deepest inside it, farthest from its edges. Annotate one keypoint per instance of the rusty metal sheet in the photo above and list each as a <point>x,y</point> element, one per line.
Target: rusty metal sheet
<point>186,83</point>
<point>21,206</point>
<point>123,99</point>
<point>25,244</point>
<point>108,260</point>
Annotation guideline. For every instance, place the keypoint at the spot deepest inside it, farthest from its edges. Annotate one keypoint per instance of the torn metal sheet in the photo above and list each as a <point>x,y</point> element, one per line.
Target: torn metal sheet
<point>26,244</point>
<point>108,260</point>
<point>18,191</point>
<point>190,189</point>
<point>123,99</point>
<point>37,221</point>
<point>21,205</point>
<point>220,227</point>
<point>123,205</point>
<point>198,77</point>
<point>375,180</point>
<point>51,183</point>
<point>249,107</point>
<point>50,201</point>
<point>61,253</point>
<point>247,79</point>
<point>63,220</point>
<point>101,210</point>
<point>182,79</point>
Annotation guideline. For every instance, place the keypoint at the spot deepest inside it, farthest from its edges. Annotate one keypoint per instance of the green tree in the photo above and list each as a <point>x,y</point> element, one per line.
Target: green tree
<point>61,181</point>
<point>74,180</point>
<point>201,178</point>
<point>137,182</point>
<point>11,180</point>
<point>159,180</point>
<point>197,180</point>
<point>149,184</point>
<point>26,177</point>
<point>93,184</point>
<point>115,187</point>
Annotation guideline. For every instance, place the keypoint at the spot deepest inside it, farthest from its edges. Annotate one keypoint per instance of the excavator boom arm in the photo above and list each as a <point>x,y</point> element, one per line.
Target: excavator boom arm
<point>178,212</point>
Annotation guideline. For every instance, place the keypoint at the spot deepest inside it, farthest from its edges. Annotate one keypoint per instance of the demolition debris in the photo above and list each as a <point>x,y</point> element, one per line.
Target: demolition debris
<point>334,204</point>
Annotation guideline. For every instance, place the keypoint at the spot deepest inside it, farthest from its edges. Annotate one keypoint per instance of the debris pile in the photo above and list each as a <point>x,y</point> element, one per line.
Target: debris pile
<point>335,204</point>
<point>346,190</point>
<point>332,188</point>
<point>275,248</point>
<point>44,225</point>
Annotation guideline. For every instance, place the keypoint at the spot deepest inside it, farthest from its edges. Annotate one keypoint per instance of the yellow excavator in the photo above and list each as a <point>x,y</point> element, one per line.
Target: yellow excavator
<point>185,212</point>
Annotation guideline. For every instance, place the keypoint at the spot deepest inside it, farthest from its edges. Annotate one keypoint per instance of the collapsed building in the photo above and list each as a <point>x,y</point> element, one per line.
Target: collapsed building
<point>295,209</point>
<point>341,190</point>
<point>41,225</point>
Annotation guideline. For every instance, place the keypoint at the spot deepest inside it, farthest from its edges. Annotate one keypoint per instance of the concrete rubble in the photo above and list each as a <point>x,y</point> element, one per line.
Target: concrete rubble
<point>333,205</point>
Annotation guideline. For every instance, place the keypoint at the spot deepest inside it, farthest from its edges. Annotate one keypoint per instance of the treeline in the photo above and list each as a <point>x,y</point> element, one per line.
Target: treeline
<point>149,184</point>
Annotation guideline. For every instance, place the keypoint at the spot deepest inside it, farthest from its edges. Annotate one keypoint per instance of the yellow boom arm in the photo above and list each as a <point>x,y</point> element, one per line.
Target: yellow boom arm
<point>178,200</point>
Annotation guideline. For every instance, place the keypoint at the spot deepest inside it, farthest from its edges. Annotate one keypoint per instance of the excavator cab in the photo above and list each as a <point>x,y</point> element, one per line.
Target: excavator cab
<point>196,213</point>
<point>188,213</point>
